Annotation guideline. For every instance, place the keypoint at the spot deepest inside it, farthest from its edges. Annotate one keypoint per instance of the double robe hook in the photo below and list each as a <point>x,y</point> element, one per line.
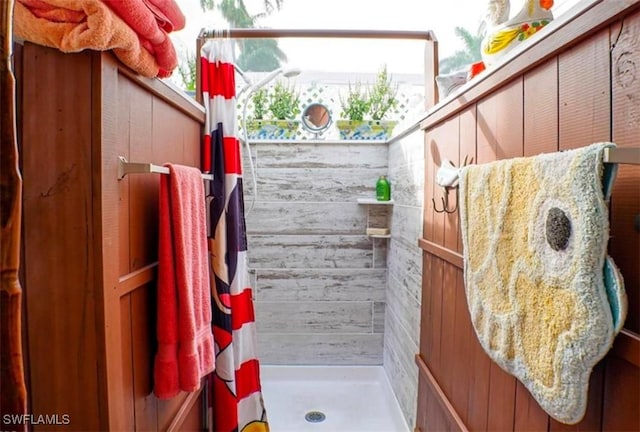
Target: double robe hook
<point>447,176</point>
<point>445,201</point>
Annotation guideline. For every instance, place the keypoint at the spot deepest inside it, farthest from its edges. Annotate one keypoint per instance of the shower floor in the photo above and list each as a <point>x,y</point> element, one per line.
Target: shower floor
<point>352,399</point>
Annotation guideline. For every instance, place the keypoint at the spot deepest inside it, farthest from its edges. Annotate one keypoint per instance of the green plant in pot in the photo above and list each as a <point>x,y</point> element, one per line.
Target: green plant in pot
<point>275,113</point>
<point>364,110</point>
<point>260,100</point>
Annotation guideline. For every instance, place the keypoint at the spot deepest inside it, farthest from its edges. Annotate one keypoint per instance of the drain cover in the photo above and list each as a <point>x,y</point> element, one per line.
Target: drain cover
<point>314,417</point>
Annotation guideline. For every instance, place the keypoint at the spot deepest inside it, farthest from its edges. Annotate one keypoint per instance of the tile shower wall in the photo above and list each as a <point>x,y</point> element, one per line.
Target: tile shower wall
<point>319,281</point>
<point>403,293</point>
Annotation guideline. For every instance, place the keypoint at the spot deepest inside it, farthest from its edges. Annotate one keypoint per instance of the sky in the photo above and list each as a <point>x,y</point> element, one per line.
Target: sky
<point>352,55</point>
<point>342,55</point>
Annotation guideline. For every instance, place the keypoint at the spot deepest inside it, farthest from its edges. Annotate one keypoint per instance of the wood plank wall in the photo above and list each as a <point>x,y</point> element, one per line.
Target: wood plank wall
<point>588,92</point>
<point>90,241</point>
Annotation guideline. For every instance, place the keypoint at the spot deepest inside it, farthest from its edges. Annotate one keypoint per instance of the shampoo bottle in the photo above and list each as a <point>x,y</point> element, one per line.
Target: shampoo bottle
<point>383,189</point>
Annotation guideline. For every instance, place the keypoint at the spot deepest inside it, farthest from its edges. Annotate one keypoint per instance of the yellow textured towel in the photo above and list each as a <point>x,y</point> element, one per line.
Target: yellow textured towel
<point>76,25</point>
<point>545,300</point>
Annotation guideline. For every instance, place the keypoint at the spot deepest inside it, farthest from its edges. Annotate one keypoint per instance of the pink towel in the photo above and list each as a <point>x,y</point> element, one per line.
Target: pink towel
<point>167,13</point>
<point>76,25</point>
<point>151,20</point>
<point>185,339</point>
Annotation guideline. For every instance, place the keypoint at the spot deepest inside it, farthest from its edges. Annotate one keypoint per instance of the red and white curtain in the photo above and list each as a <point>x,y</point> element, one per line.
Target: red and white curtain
<point>235,393</point>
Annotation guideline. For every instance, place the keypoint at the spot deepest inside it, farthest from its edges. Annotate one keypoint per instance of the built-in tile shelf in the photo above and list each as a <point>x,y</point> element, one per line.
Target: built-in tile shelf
<point>373,201</point>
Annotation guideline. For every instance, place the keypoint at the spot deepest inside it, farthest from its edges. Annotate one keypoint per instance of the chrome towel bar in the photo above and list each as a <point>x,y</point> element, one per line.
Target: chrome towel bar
<point>125,167</point>
<point>622,155</point>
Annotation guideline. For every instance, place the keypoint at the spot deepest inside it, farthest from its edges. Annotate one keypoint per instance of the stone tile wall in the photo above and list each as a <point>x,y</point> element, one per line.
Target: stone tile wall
<point>326,293</point>
<point>319,281</point>
<point>404,289</point>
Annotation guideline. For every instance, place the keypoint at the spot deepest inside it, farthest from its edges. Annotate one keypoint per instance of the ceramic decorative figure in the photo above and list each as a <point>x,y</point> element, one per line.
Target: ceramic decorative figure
<point>503,34</point>
<point>448,83</point>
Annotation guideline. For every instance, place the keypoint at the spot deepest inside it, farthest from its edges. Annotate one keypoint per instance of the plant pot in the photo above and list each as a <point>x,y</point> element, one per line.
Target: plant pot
<point>365,129</point>
<point>272,129</point>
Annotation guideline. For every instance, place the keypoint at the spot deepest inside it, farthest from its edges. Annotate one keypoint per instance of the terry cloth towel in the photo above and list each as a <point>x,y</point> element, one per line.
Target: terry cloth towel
<point>185,338</point>
<point>167,13</point>
<point>76,25</point>
<point>149,20</point>
<point>545,299</point>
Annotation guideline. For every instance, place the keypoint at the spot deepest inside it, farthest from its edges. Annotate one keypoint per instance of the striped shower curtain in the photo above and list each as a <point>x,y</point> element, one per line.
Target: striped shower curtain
<point>235,398</point>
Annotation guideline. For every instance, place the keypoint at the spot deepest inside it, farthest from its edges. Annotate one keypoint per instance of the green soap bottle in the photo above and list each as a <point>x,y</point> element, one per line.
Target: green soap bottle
<point>383,189</point>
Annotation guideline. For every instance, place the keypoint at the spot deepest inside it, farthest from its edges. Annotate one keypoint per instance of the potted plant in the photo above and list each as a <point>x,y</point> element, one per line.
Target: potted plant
<point>364,111</point>
<point>275,113</point>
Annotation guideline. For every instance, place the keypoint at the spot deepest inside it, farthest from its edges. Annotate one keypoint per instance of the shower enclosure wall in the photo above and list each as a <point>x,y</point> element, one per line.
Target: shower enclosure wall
<point>325,292</point>
<point>319,280</point>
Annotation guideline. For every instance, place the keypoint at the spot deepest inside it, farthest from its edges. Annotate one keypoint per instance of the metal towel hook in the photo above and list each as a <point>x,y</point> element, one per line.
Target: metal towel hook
<point>445,201</point>
<point>447,176</point>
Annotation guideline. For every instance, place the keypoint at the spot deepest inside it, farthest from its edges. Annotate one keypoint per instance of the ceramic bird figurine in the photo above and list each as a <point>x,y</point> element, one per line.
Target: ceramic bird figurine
<point>503,35</point>
<point>497,12</point>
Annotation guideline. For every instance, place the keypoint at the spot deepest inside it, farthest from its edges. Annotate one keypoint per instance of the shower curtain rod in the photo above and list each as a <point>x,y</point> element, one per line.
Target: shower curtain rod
<point>247,33</point>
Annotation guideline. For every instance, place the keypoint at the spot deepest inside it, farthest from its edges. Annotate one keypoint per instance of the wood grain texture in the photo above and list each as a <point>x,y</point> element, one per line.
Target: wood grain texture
<point>580,95</point>
<point>143,319</point>
<point>91,296</point>
<point>541,109</point>
<point>105,149</point>
<point>61,299</point>
<point>621,396</point>
<point>13,399</point>
<point>128,368</point>
<point>450,420</point>
<point>584,95</point>
<point>624,245</point>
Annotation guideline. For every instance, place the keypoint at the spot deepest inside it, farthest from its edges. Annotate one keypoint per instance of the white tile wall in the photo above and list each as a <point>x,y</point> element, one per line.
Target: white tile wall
<point>404,288</point>
<point>326,294</point>
<point>319,280</point>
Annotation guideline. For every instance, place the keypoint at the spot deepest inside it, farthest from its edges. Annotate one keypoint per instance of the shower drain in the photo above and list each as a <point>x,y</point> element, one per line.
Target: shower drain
<point>315,416</point>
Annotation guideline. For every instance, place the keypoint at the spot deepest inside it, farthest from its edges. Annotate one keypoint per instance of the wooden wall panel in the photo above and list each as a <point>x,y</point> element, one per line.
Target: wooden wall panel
<point>123,138</point>
<point>541,109</point>
<point>441,144</point>
<point>425,307</point>
<point>90,241</point>
<point>128,401</point>
<point>143,333</point>
<point>434,324</point>
<point>143,204</point>
<point>421,411</point>
<point>500,124</point>
<point>60,296</point>
<point>447,349</point>
<point>583,86</point>
<point>624,245</point>
<point>586,93</point>
<point>621,396</point>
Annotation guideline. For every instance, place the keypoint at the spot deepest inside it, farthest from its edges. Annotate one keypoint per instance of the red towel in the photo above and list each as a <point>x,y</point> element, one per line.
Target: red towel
<point>167,13</point>
<point>76,25</point>
<point>185,339</point>
<point>152,20</point>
